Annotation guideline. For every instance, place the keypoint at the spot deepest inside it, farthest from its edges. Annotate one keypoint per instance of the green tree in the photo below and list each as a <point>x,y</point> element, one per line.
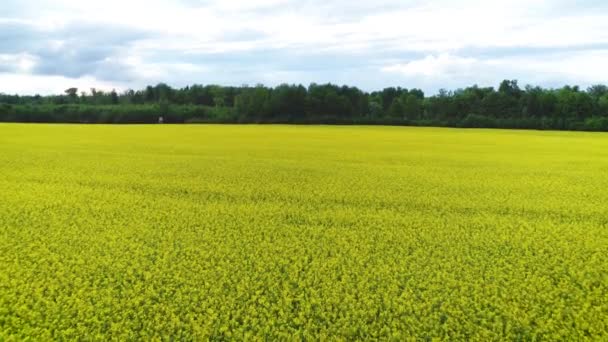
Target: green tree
<point>412,106</point>
<point>397,109</point>
<point>113,97</point>
<point>253,103</point>
<point>603,105</point>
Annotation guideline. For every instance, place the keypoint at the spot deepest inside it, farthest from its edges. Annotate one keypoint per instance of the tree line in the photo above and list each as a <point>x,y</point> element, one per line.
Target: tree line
<point>508,106</point>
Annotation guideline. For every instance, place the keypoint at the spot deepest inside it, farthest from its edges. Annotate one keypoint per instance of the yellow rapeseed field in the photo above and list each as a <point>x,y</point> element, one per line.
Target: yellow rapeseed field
<point>302,232</point>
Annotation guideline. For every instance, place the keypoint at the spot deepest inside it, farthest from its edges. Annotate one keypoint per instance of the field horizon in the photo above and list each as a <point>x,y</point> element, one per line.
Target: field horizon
<point>312,125</point>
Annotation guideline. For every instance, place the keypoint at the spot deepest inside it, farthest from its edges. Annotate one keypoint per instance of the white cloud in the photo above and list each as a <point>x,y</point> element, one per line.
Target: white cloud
<point>34,84</point>
<point>420,43</point>
<point>21,63</point>
<point>553,70</point>
<point>565,67</point>
<point>435,66</point>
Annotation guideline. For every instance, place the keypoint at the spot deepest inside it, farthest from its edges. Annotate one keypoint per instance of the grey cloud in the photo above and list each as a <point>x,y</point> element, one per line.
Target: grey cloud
<point>6,68</point>
<point>82,51</point>
<point>16,37</point>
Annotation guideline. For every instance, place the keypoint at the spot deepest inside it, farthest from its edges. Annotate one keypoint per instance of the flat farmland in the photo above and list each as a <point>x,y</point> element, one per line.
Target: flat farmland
<point>197,232</point>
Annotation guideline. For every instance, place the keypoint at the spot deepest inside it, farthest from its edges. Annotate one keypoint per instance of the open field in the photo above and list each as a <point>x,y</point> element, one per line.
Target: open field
<point>140,232</point>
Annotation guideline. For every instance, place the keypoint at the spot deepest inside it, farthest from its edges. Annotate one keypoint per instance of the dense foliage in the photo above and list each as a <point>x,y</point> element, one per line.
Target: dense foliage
<point>309,233</point>
<point>509,106</point>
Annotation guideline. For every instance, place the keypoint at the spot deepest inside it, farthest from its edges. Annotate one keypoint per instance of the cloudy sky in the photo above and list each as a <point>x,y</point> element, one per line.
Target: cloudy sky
<point>47,46</point>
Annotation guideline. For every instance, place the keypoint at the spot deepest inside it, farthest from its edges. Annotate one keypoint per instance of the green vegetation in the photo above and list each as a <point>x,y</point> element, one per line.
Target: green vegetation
<point>567,108</point>
<point>288,232</point>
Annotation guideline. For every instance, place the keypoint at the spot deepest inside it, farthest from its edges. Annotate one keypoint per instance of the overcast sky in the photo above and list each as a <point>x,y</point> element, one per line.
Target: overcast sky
<point>47,46</point>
